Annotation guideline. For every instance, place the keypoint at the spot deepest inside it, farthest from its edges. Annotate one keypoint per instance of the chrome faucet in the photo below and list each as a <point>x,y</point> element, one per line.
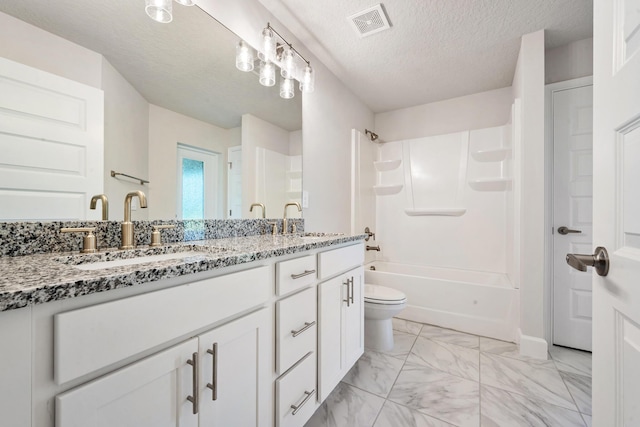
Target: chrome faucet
<point>127,241</point>
<point>285,229</point>
<point>105,205</point>
<point>260,205</point>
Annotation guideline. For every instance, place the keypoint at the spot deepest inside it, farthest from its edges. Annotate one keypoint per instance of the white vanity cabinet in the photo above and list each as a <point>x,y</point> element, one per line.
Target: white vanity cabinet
<point>214,379</point>
<point>340,315</point>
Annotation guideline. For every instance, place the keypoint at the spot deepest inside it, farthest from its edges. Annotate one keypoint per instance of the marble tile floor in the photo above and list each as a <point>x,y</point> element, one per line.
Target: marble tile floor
<point>437,377</point>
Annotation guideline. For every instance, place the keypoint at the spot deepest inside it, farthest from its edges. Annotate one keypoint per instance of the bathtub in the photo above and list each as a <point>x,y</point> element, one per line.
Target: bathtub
<point>476,302</point>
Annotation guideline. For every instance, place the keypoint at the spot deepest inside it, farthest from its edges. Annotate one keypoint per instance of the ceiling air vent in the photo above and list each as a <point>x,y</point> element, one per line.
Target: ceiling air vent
<point>370,21</point>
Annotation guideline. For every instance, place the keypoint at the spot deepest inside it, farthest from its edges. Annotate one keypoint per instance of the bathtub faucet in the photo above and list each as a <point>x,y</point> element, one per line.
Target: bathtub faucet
<point>373,248</point>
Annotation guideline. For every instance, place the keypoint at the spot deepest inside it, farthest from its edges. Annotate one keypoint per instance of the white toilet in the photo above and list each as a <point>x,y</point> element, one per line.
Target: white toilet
<point>380,305</point>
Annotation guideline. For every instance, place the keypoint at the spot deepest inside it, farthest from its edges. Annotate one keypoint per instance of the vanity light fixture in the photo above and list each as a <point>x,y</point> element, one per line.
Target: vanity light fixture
<point>282,54</point>
<point>162,10</point>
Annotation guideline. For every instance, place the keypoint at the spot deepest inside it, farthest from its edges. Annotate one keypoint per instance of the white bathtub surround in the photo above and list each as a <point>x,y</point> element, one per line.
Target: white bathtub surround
<point>432,390</point>
<point>477,302</point>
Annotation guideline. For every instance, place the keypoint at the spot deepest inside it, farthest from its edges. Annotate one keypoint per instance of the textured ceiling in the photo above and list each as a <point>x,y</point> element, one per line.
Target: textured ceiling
<point>435,49</point>
<point>187,66</point>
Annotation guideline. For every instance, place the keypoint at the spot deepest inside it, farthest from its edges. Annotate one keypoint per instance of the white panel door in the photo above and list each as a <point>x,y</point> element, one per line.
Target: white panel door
<point>616,201</point>
<point>51,145</point>
<point>235,373</point>
<point>572,209</point>
<point>149,393</point>
<point>330,360</point>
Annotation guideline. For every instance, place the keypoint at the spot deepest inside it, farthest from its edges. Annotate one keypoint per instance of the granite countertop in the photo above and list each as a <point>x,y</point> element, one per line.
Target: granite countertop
<point>37,279</point>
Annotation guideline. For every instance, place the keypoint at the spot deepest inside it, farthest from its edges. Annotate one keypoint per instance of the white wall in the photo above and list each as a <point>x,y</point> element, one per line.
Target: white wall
<point>528,86</point>
<point>570,61</point>
<point>329,114</point>
<point>126,136</point>
<point>259,133</point>
<point>477,111</point>
<point>166,130</point>
<point>37,48</point>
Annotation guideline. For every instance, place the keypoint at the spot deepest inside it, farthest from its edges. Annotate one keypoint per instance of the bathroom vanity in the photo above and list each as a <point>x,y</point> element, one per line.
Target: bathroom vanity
<point>248,331</point>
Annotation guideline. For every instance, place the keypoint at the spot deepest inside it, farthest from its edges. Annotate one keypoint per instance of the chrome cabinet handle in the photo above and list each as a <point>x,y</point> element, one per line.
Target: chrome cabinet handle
<point>348,300</point>
<point>599,261</point>
<point>352,291</point>
<point>213,385</point>
<point>306,273</point>
<point>308,395</point>
<point>566,230</point>
<point>196,382</point>
<point>306,326</point>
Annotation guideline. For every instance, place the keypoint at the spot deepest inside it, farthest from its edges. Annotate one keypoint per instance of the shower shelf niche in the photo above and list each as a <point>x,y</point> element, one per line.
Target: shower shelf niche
<point>435,211</point>
<point>492,155</point>
<point>387,190</point>
<point>387,165</point>
<point>491,184</point>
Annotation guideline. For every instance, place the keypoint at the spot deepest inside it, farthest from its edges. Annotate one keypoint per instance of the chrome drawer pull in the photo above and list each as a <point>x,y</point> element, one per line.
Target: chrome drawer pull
<point>348,300</point>
<point>213,385</point>
<point>196,386</point>
<point>352,291</point>
<point>306,326</point>
<point>306,398</point>
<point>306,273</point>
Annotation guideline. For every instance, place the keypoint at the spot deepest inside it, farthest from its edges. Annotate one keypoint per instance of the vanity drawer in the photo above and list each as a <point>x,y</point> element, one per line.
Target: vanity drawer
<point>340,260</point>
<point>295,274</point>
<point>297,388</point>
<point>295,328</point>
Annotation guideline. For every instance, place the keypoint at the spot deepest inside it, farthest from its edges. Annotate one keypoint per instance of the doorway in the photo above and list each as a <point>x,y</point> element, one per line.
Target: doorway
<point>571,135</point>
<point>198,194</point>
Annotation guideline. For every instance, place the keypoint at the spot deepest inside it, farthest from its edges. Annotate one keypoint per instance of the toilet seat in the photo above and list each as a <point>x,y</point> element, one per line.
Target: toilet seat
<point>376,294</point>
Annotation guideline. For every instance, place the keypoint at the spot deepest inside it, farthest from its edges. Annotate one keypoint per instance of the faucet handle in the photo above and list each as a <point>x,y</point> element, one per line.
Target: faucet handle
<point>156,238</point>
<point>274,227</point>
<point>88,241</point>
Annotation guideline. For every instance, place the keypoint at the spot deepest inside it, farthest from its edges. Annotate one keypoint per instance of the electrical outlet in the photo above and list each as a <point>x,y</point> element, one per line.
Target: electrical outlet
<point>305,199</point>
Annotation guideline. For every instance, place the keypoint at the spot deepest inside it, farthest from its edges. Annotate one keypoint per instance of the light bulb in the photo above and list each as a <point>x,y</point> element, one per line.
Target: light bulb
<point>159,10</point>
<point>267,73</point>
<point>268,45</point>
<point>244,56</point>
<point>286,88</point>
<point>288,65</point>
<point>307,84</point>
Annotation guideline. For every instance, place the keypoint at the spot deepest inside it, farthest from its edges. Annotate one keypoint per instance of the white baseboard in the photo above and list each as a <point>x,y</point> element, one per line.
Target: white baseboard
<point>531,346</point>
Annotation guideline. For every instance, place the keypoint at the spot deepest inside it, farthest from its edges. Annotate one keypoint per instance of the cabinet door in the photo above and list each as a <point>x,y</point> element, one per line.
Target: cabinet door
<point>330,351</point>
<point>236,361</point>
<point>150,393</point>
<point>353,325</point>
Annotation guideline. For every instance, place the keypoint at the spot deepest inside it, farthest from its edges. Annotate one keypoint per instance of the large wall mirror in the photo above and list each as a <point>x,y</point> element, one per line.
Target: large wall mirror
<point>209,138</point>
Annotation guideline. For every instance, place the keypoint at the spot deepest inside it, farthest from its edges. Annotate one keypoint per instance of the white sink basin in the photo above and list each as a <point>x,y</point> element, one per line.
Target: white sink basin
<point>138,260</point>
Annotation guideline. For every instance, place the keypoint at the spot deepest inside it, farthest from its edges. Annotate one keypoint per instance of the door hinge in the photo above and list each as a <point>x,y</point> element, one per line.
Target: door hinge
<point>553,230</point>
<point>230,165</point>
<point>229,212</point>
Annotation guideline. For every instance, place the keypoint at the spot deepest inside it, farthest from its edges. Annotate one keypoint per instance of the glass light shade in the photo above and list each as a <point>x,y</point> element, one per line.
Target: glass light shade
<point>286,88</point>
<point>160,10</point>
<point>244,56</point>
<point>267,73</point>
<point>307,84</point>
<point>268,45</point>
<point>288,64</point>
<point>186,2</point>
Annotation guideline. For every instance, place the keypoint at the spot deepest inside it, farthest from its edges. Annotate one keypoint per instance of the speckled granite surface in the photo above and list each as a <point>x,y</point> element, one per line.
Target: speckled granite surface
<point>40,278</point>
<point>28,238</point>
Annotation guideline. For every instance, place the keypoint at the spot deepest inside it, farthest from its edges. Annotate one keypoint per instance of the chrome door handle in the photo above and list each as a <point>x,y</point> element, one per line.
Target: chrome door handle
<point>213,385</point>
<point>566,230</point>
<point>599,260</point>
<point>196,382</point>
<point>352,291</point>
<point>348,300</point>
<point>306,326</point>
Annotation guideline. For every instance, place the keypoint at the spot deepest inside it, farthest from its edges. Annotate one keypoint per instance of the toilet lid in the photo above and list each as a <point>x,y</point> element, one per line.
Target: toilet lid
<point>382,295</point>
